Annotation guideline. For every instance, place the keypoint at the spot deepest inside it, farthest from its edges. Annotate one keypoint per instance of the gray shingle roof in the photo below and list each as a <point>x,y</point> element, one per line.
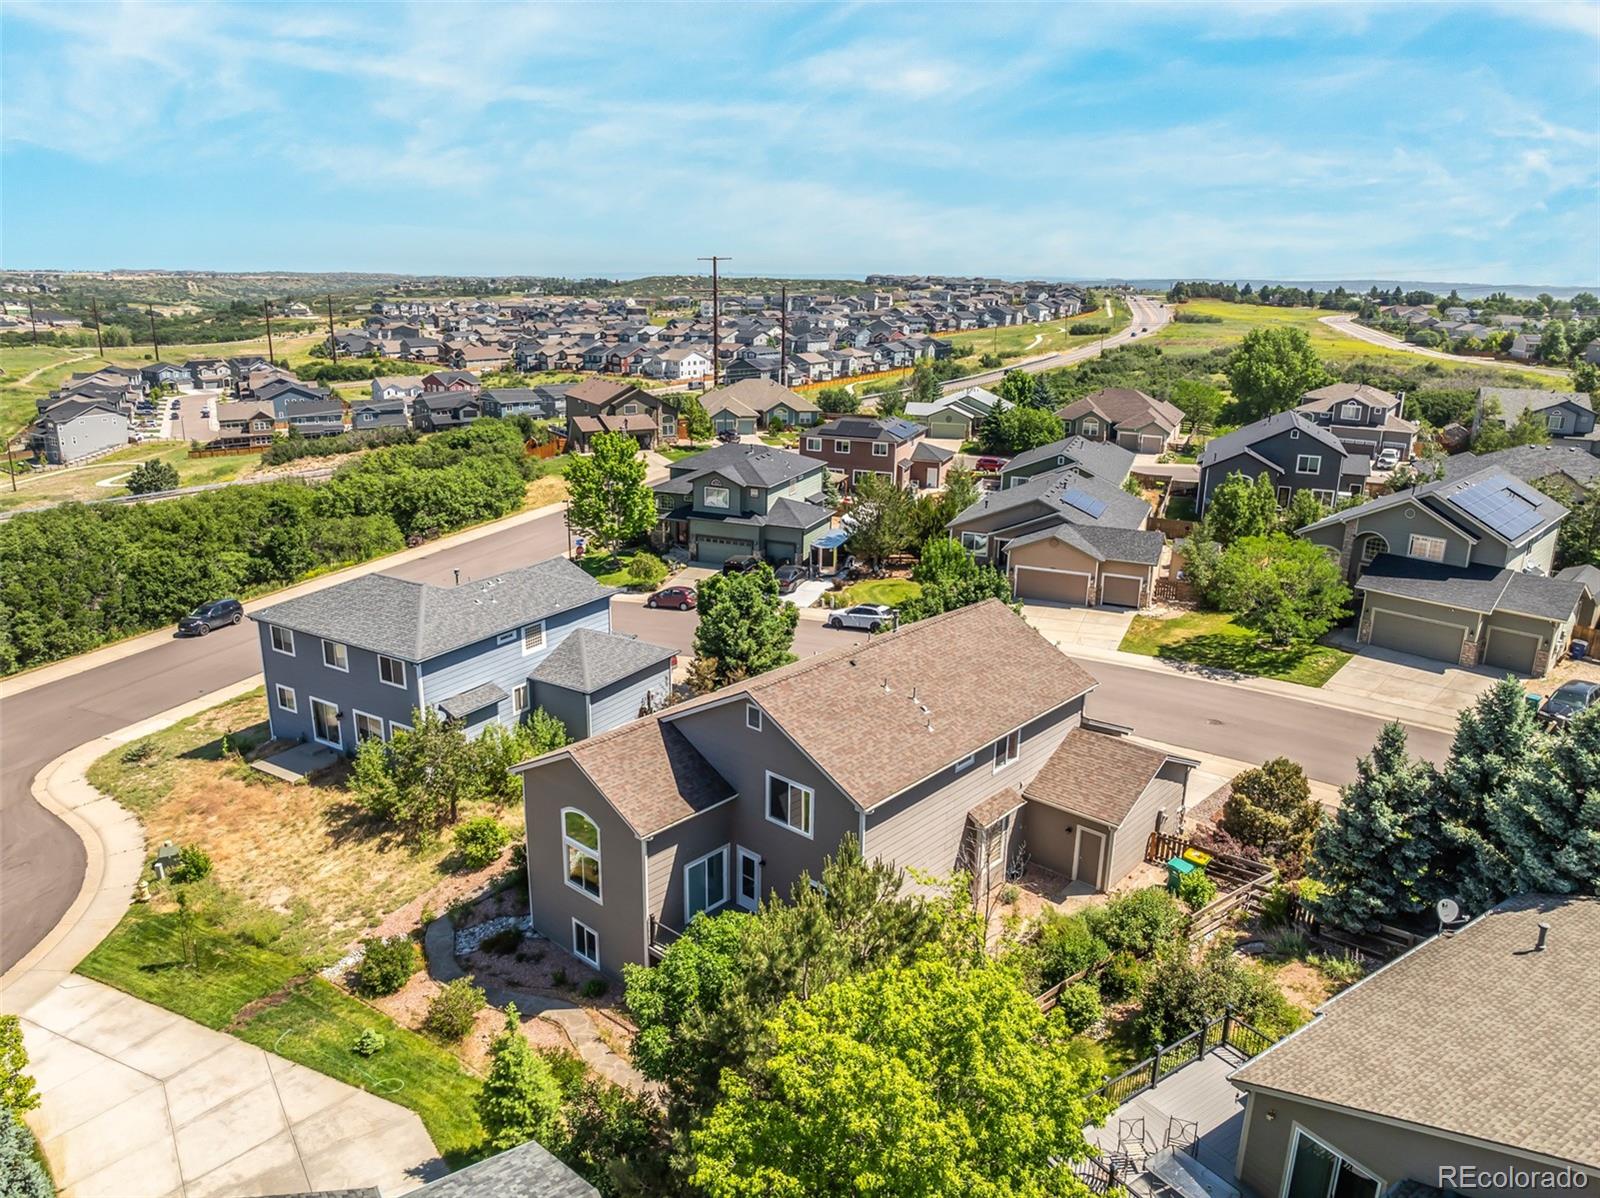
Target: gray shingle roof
<point>416,621</point>
<point>526,1171</point>
<point>867,428</point>
<point>468,701</point>
<point>586,660</point>
<point>1044,492</point>
<point>752,465</point>
<point>792,513</point>
<point>1437,497</point>
<point>1138,545</point>
<point>927,451</point>
<point>1099,458</point>
<point>1529,463</point>
<point>1514,401</point>
<point>1220,449</point>
<point>1475,588</point>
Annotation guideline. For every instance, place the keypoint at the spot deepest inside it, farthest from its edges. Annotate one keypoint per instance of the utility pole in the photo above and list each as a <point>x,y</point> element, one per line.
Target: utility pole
<point>783,334</point>
<point>34,325</point>
<point>266,310</point>
<point>11,465</point>
<point>333,346</point>
<point>155,342</point>
<point>716,315</point>
<point>99,345</point>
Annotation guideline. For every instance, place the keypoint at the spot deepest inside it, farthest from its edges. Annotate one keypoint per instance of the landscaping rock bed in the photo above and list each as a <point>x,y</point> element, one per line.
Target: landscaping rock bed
<point>468,939</point>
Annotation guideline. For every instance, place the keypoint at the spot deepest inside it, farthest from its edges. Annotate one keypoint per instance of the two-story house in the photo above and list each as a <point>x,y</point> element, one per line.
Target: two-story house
<point>717,803</point>
<point>603,406</point>
<point>245,424</point>
<point>517,401</point>
<point>354,662</point>
<point>1568,416</point>
<point>451,380</point>
<point>738,500</point>
<point>1367,420</point>
<point>313,417</point>
<point>1098,459</point>
<point>209,374</point>
<point>380,413</point>
<point>1458,569</point>
<point>1294,451</point>
<point>435,410</point>
<point>398,386</point>
<point>956,415</point>
<point>75,430</point>
<point>1127,416</point>
<point>166,374</point>
<point>860,445</point>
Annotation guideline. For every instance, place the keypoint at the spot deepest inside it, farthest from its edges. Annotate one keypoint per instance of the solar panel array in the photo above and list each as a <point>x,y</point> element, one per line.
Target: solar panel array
<point>1084,502</point>
<point>1503,505</point>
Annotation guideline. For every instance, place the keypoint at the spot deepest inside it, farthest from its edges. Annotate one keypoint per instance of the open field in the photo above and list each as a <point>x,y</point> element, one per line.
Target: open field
<point>1212,640</point>
<point>104,477</point>
<point>1028,340</point>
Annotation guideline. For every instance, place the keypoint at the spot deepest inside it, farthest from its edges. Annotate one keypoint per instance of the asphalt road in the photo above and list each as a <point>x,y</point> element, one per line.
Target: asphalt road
<point>1348,326</point>
<point>41,861</point>
<point>1148,315</point>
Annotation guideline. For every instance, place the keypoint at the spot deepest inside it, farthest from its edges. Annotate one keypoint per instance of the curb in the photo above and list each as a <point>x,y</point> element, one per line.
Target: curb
<point>114,849</point>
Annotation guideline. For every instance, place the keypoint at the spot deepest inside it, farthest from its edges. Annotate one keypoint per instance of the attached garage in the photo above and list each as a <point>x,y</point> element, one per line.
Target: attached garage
<point>1508,649</point>
<point>1050,586</point>
<point>780,552</point>
<point>713,551</point>
<point>1418,635</point>
<point>1121,590</point>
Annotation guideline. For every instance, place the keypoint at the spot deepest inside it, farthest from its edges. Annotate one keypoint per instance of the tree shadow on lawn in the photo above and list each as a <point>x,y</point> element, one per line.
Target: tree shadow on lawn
<point>1217,654</point>
<point>241,741</point>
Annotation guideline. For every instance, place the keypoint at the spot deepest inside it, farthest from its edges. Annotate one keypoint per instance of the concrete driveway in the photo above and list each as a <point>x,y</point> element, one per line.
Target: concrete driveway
<point>1090,627</point>
<point>137,1102</point>
<point>1382,678</point>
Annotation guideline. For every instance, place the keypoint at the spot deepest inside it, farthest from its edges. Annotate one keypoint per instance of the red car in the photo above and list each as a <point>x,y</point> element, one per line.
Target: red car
<point>681,598</point>
<point>991,465</point>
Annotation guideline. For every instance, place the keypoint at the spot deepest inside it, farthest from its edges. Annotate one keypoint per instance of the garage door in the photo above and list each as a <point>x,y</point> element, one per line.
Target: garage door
<point>716,550</point>
<point>1128,440</point>
<point>1149,442</point>
<point>1052,586</point>
<point>1118,591</point>
<point>1422,637</point>
<point>779,552</point>
<point>1508,650</point>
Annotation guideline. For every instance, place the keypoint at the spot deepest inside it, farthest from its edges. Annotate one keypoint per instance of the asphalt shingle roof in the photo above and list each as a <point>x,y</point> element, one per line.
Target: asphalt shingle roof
<point>1137,545</point>
<point>1220,449</point>
<point>1513,401</point>
<point>751,465</point>
<point>1529,463</point>
<point>526,1171</point>
<point>1044,492</point>
<point>469,701</point>
<point>866,428</point>
<point>1095,774</point>
<point>416,621</point>
<point>1103,459</point>
<point>587,660</point>
<point>1474,1034</point>
<point>1475,588</point>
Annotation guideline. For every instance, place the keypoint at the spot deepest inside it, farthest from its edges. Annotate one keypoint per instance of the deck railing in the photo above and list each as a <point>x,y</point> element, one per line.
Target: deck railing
<point>1225,1031</point>
<point>661,936</point>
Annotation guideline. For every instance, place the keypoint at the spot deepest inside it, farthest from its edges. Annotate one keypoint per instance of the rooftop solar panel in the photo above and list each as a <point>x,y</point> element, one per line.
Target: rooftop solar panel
<point>1501,505</point>
<point>1084,502</point>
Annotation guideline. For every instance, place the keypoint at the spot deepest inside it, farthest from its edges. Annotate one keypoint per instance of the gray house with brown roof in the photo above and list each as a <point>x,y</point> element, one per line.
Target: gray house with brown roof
<point>717,803</point>
<point>1124,415</point>
<point>1464,1067</point>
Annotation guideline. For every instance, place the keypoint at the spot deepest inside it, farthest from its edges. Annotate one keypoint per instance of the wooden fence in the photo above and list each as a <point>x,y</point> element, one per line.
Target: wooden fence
<point>1588,636</point>
<point>236,451</point>
<point>1243,883</point>
<point>872,376</point>
<point>553,447</point>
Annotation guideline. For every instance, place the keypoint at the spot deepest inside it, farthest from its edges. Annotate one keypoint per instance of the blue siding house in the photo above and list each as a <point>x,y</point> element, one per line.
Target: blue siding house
<point>357,661</point>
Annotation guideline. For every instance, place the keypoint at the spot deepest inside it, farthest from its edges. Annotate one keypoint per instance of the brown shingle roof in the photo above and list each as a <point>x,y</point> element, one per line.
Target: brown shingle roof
<point>650,773</point>
<point>1473,1034</point>
<point>996,805</point>
<point>1096,774</point>
<point>1124,405</point>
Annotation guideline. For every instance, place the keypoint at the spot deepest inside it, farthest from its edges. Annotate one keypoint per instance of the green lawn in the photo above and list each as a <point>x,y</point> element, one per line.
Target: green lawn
<point>294,1015</point>
<point>1027,340</point>
<point>890,591</point>
<point>612,572</point>
<point>676,453</point>
<point>1212,639</point>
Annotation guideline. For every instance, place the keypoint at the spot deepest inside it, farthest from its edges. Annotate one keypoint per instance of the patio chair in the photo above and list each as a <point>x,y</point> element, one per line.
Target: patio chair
<point>1133,1141</point>
<point>1183,1134</point>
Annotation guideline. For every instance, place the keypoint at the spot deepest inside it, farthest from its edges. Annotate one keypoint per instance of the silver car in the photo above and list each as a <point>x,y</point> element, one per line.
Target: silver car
<point>869,617</point>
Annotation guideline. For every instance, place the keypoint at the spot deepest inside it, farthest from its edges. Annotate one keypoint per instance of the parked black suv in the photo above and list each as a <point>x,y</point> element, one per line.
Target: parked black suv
<point>742,564</point>
<point>211,615</point>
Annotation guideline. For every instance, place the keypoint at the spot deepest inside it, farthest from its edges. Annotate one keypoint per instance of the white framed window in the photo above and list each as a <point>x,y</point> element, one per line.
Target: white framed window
<point>841,446</point>
<point>1429,549</point>
<point>368,726</point>
<point>813,444</point>
<point>1317,1171</point>
<point>533,637</point>
<point>335,656</point>
<point>1352,411</point>
<point>716,497</point>
<point>752,717</point>
<point>880,449</point>
<point>747,886</point>
<point>585,944</point>
<point>1553,421</point>
<point>282,640</point>
<point>705,883</point>
<point>1090,428</point>
<point>1007,749</point>
<point>790,804</point>
<point>505,638</point>
<point>391,671</point>
<point>396,728</point>
<point>966,762</point>
<point>325,723</point>
<point>1307,463</point>
<point>286,698</point>
<point>519,699</point>
<point>580,843</point>
<point>975,542</point>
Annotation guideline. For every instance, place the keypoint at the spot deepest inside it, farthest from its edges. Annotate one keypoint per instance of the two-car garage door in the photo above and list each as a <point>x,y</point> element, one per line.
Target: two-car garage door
<point>1051,586</point>
<point>1411,634</point>
<point>713,551</point>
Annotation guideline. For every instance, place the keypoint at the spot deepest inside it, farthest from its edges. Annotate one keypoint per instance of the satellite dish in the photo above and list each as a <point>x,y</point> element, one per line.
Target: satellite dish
<point>1447,910</point>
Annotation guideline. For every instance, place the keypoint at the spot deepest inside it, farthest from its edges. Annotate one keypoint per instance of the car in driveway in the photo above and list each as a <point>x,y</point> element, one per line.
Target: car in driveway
<point>991,465</point>
<point>681,598</point>
<point>789,577</point>
<point>1389,458</point>
<point>741,563</point>
<point>217,614</point>
<point>868,617</point>
<point>1568,700</point>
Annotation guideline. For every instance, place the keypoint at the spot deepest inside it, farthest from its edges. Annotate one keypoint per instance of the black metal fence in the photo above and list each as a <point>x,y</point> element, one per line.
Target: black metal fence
<point>1225,1031</point>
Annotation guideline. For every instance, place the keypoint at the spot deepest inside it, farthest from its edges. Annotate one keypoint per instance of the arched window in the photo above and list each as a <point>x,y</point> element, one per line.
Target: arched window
<point>580,842</point>
<point>1372,545</point>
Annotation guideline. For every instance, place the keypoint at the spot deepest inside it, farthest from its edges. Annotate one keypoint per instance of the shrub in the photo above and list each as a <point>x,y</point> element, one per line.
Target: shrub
<point>386,965</point>
<point>502,942</point>
<point>21,1174</point>
<point>1079,1006</point>
<point>454,1010</point>
<point>1141,922</point>
<point>1184,993</point>
<point>139,752</point>
<point>645,570</point>
<point>558,977</point>
<point>1066,945</point>
<point>1291,946</point>
<point>1339,968</point>
<point>1271,808</point>
<point>593,988</point>
<point>1196,889</point>
<point>480,840</point>
<point>1010,895</point>
<point>369,1043</point>
<point>1121,978</point>
<point>193,864</point>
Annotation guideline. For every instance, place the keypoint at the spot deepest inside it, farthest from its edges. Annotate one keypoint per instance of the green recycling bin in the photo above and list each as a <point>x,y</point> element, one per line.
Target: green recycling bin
<point>1176,868</point>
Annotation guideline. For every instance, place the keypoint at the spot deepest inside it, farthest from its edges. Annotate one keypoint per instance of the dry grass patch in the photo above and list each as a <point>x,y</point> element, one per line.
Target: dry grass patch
<point>307,854</point>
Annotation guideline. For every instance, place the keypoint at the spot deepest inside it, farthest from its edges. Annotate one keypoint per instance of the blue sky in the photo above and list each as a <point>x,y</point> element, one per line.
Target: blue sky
<point>1287,140</point>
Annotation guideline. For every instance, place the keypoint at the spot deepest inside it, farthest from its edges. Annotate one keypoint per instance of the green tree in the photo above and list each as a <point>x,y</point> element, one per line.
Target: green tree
<point>1016,388</point>
<point>1271,808</point>
<point>913,1080</point>
<point>950,579</point>
<point>1554,347</point>
<point>1199,401</point>
<point>1375,856</point>
<point>1586,377</point>
<point>17,1090</point>
<point>607,499</point>
<point>21,1174</point>
<point>924,385</point>
<point>520,1099</point>
<point>838,401</point>
<point>418,780</point>
<point>154,475</point>
<point>745,627</point>
<point>1527,429</point>
<point>1287,589</point>
<point>695,416</point>
<point>881,519</point>
<point>1240,507</point>
<point>1184,993</point>
<point>1273,367</point>
<point>1019,429</point>
<point>1304,508</point>
<point>497,749</point>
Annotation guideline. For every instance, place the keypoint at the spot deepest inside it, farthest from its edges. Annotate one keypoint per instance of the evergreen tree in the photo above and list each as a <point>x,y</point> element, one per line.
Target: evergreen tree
<point>520,1099</point>
<point>1374,857</point>
<point>745,627</point>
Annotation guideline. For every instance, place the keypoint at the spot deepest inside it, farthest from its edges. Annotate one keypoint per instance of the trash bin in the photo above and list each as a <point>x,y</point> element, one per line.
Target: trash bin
<point>1578,650</point>
<point>1176,868</point>
<point>1197,857</point>
<point>1532,700</point>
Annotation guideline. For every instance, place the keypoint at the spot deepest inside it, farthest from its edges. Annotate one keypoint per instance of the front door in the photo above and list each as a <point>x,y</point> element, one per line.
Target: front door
<point>748,893</point>
<point>1087,868</point>
<point>325,723</point>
